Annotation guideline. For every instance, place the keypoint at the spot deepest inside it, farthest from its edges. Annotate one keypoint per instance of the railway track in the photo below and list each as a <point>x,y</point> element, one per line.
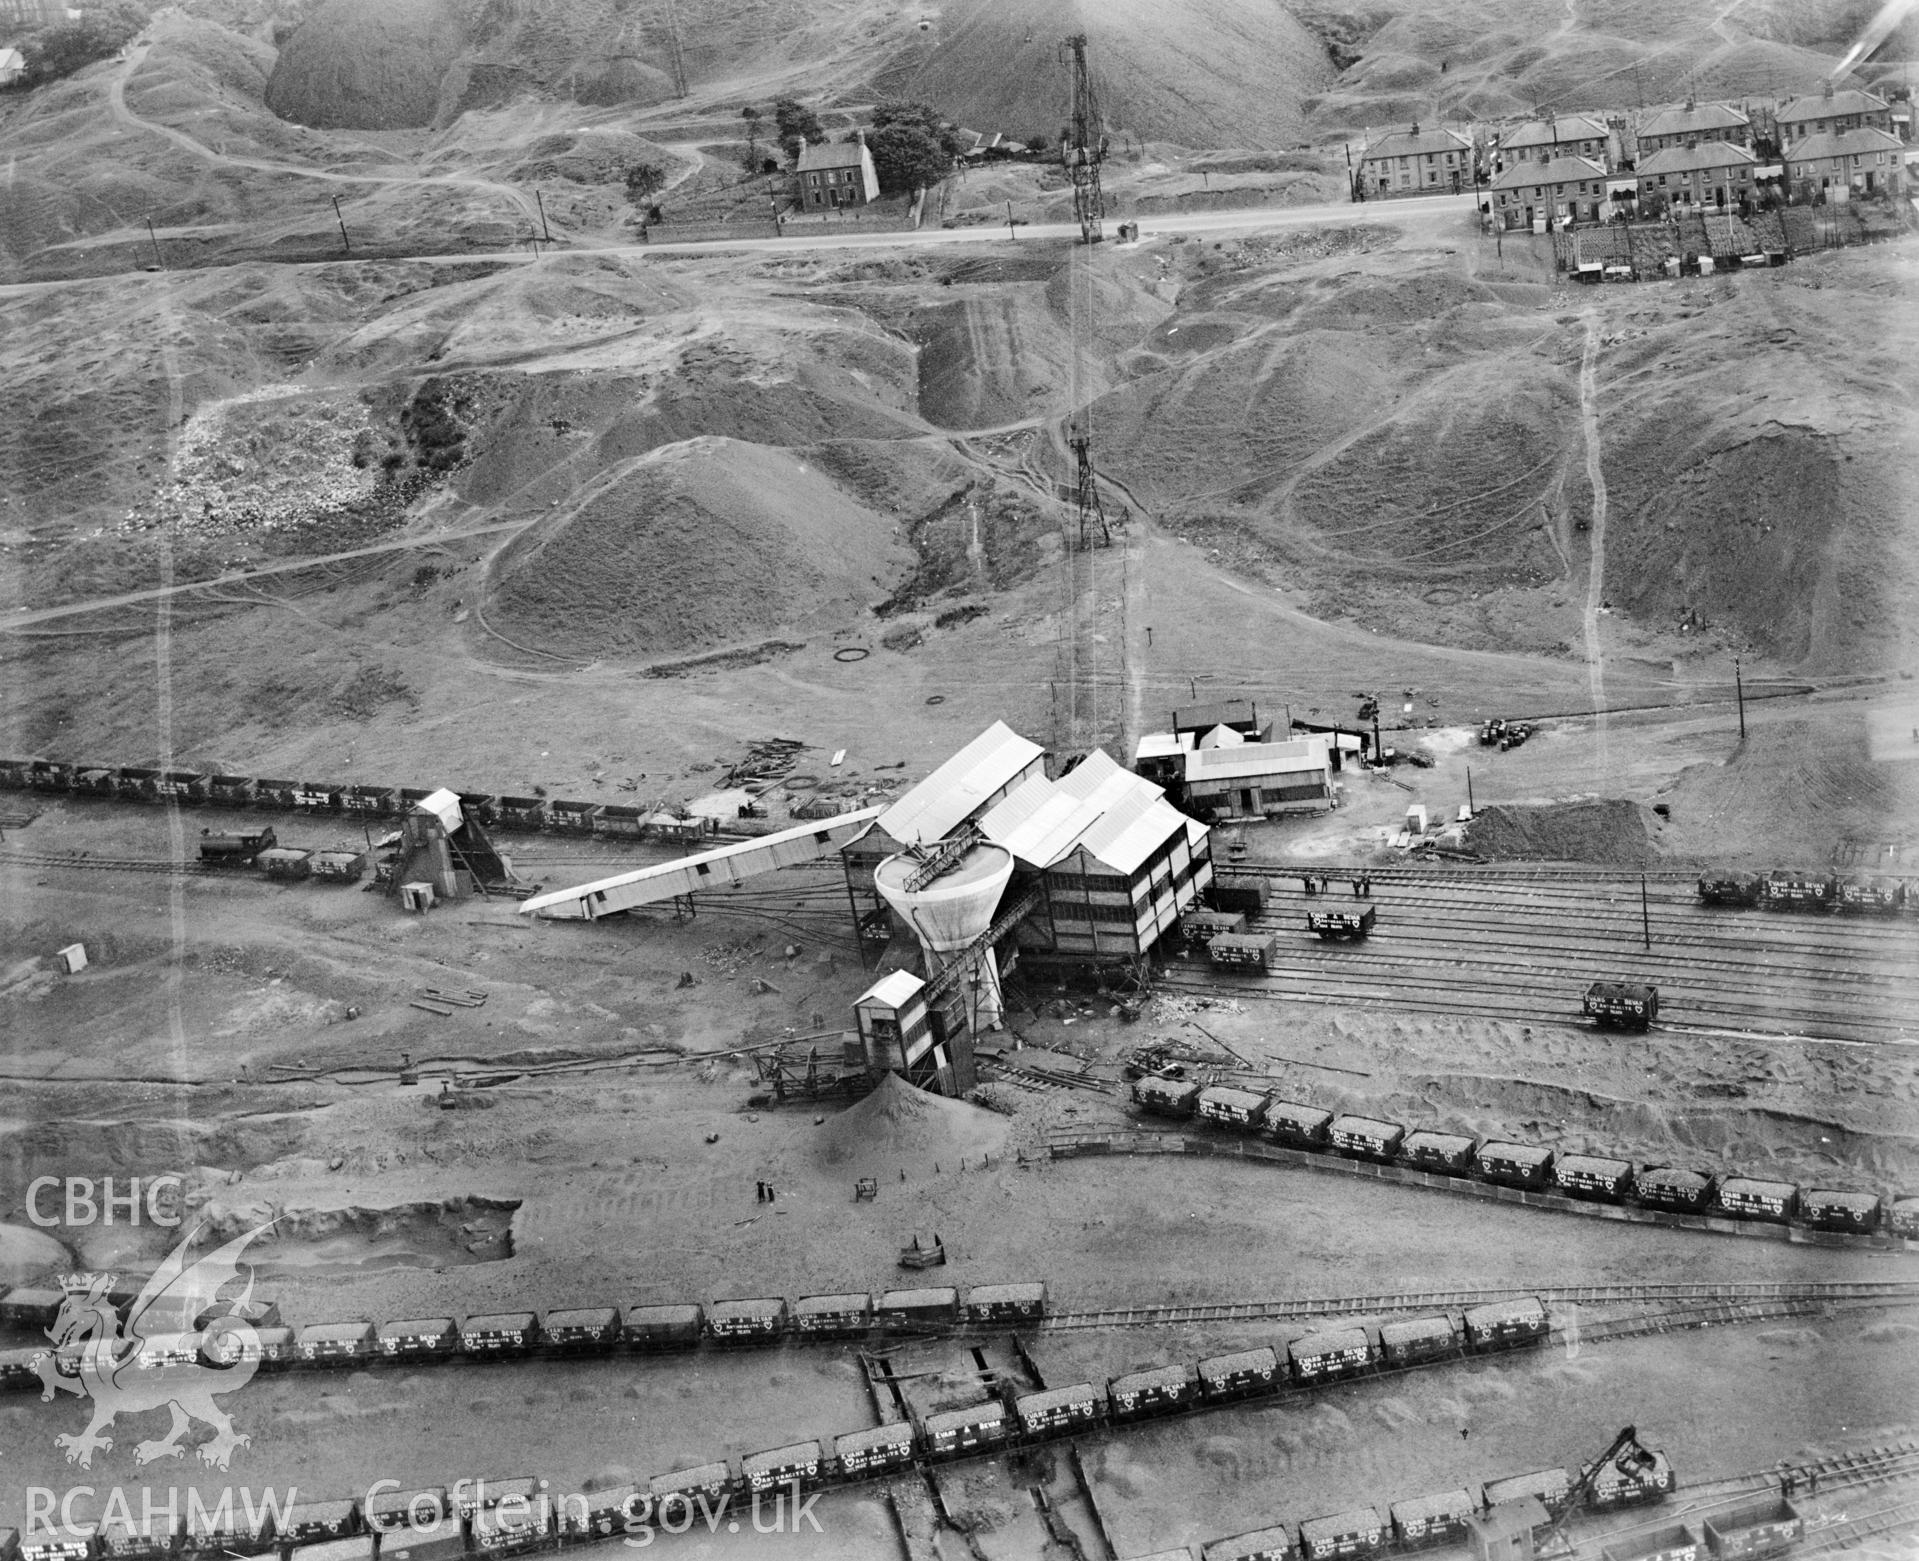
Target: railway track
<point>1290,1309</point>
<point>1470,943</point>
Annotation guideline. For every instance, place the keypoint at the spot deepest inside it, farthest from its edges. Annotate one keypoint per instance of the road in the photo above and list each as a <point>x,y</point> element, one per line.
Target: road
<point>1435,209</point>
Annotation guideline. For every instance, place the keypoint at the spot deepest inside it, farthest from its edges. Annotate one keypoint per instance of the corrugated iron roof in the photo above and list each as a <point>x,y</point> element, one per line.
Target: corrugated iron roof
<point>1109,812</point>
<point>893,990</point>
<point>1253,759</point>
<point>938,805</point>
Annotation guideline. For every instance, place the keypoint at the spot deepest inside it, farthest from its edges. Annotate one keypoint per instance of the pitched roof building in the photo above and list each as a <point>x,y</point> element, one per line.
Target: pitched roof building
<point>1694,122</point>
<point>1567,189</point>
<point>1712,173</point>
<point>1543,140</point>
<point>1415,162</point>
<point>1848,162</point>
<point>836,174</point>
<point>1832,111</point>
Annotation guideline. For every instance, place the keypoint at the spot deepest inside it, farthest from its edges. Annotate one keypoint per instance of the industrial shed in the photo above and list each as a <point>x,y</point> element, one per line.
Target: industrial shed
<point>1260,780</point>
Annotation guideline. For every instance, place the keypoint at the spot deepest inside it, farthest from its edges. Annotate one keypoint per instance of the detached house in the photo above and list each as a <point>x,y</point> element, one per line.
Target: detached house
<point>1415,162</point>
<point>1713,173</point>
<point>1831,113</point>
<point>1695,123</point>
<point>1565,190</point>
<point>1544,140</point>
<point>837,174</point>
<point>1839,165</point>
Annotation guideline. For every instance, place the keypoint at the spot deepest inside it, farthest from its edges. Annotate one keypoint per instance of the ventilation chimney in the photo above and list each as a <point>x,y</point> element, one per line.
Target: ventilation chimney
<point>1415,129</point>
<point>1828,88</point>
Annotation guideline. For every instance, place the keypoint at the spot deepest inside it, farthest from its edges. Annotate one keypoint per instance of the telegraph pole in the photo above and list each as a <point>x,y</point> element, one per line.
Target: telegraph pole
<point>342,221</point>
<point>155,239</point>
<point>544,229</point>
<point>1739,689</point>
<point>1645,915</point>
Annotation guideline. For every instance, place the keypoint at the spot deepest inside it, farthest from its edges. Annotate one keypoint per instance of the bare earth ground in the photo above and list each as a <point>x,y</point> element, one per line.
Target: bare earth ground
<point>598,522</point>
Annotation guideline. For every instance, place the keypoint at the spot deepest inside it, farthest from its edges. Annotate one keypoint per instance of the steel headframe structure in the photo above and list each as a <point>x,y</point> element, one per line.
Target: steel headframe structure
<point>1083,146</point>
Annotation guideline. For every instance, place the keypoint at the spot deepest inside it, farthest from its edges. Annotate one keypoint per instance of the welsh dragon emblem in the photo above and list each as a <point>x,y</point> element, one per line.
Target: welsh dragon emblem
<point>166,1356</point>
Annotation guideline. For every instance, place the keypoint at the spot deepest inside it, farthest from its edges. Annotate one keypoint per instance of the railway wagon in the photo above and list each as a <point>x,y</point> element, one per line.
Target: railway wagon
<point>1234,1107</point>
<point>759,1320</point>
<point>683,1489</point>
<point>932,1309</point>
<point>230,1528</point>
<point>21,1368</point>
<point>1791,891</point>
<point>523,815</point>
<point>617,821</point>
<point>599,1514</point>
<point>1167,1097</point>
<point>1551,1487</point>
<point>959,1433</point>
<point>1262,1544</point>
<point>337,1344</point>
<point>310,1522</point>
<point>1417,1339</point>
<point>441,1541</point>
<point>1303,1127</point>
<point>133,1539</point>
<point>480,806</point>
<point>46,1546</point>
<point>1671,1187</point>
<point>269,793</point>
<point>34,1306</point>
<point>847,1316</point>
<point>49,776</point>
<point>1238,1375</point>
<point>1673,1542</point>
<point>317,796</point>
<point>1613,1487</point>
<point>1331,925</point>
<point>1242,951</point>
<point>1237,899</point>
<point>1514,1165</point>
<point>1622,1005</point>
<point>1831,1208</point>
<point>1139,1395</point>
<point>274,1348</point>
<point>1356,1533</point>
<point>1437,1519</point>
<point>1903,1218</point>
<point>798,1464</point>
<point>286,864</point>
<point>1021,1303</point>
<point>13,774</point>
<point>230,791</point>
<point>647,1328</point>
<point>1365,1138</point>
<point>370,801</point>
<point>571,818</point>
<point>1871,895</point>
<point>508,1532</point>
<point>876,1450</point>
<point>396,1510</point>
<point>1203,926</point>
<point>1593,1177</point>
<point>1325,1357</point>
<point>1505,1325</point>
<point>1059,1409</point>
<point>417,1338</point>
<point>96,782</point>
<point>339,866</point>
<point>499,1335</point>
<point>236,848</point>
<point>584,1330</point>
<point>1762,1526</point>
<point>1749,1198</point>
<point>1451,1154</point>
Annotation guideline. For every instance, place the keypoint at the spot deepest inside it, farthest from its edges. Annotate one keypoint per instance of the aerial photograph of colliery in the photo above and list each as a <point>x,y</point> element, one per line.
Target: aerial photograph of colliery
<point>976,780</point>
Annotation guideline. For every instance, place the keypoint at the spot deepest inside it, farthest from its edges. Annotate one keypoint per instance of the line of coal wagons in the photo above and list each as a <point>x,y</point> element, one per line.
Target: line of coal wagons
<point>1857,894</point>
<point>1529,1167</point>
<point>192,788</point>
<point>590,1330</point>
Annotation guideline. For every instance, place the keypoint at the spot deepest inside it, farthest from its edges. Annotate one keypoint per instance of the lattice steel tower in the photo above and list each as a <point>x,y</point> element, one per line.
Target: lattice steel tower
<point>1083,147</point>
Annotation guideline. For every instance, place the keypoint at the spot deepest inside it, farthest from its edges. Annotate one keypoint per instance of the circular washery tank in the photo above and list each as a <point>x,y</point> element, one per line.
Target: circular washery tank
<point>957,907</point>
